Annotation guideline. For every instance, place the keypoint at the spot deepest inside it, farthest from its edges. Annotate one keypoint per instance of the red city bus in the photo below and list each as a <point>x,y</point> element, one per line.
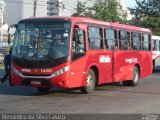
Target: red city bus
<point>77,52</point>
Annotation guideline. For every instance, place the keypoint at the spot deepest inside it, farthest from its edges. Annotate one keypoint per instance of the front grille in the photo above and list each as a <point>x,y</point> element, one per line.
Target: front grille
<point>37,74</point>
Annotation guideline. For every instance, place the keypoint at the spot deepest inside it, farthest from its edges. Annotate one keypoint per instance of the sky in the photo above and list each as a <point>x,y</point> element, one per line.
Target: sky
<point>131,3</point>
<point>127,3</point>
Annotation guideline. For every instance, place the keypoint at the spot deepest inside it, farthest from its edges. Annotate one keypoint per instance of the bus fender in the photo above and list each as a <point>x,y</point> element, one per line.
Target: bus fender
<point>94,67</point>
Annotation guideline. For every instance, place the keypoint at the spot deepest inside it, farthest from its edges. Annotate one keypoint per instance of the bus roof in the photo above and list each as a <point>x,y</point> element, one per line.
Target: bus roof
<point>110,24</point>
<point>98,22</point>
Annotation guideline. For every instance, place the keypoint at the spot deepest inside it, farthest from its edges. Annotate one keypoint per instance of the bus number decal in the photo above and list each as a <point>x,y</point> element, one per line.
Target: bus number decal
<point>131,60</point>
<point>104,59</point>
<point>46,70</point>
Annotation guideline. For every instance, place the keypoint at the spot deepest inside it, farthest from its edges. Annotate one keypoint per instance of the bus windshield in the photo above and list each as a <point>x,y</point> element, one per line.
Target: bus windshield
<point>42,40</point>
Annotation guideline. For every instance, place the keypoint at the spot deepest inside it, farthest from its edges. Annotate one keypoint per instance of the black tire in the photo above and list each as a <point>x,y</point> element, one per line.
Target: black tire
<point>90,83</point>
<point>43,90</point>
<point>135,79</point>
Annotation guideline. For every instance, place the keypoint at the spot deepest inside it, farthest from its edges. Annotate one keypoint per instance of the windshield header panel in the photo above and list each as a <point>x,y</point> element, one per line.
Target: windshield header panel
<point>44,23</point>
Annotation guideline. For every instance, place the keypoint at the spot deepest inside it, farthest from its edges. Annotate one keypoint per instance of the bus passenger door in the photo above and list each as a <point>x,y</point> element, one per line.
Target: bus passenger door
<point>78,57</point>
<point>123,58</point>
<point>111,45</point>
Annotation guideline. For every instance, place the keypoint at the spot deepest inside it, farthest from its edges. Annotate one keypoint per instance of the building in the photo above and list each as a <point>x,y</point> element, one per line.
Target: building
<point>64,7</point>
<point>16,10</point>
<point>61,7</point>
<point>20,9</point>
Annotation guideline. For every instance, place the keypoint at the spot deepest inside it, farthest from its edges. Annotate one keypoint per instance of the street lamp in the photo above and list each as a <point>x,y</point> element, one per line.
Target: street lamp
<point>2,4</point>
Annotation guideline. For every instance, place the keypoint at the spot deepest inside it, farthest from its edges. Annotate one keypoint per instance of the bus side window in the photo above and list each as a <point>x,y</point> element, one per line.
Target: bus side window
<point>110,39</point>
<point>124,40</point>
<point>157,45</point>
<point>79,44</point>
<point>135,41</point>
<point>146,42</point>
<point>95,38</point>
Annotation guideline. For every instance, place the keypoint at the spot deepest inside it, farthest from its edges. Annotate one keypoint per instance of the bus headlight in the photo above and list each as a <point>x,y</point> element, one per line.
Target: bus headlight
<point>16,72</point>
<point>61,71</point>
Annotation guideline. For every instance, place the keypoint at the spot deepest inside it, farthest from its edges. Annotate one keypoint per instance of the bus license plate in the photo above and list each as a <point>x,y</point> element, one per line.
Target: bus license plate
<point>36,82</point>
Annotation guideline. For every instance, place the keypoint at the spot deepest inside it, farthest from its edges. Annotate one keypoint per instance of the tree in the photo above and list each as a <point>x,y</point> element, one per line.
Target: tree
<point>106,10</point>
<point>80,9</point>
<point>147,14</point>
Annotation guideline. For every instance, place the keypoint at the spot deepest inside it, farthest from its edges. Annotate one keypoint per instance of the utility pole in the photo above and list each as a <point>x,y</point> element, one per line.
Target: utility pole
<point>34,7</point>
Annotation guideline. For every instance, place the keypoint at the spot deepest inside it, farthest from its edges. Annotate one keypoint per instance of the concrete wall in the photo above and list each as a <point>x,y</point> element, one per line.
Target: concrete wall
<point>21,9</point>
<point>13,11</point>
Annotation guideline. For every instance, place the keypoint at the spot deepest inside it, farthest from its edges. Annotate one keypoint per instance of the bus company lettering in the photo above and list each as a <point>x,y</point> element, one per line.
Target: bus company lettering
<point>131,60</point>
<point>26,70</point>
<point>104,59</point>
<point>46,70</point>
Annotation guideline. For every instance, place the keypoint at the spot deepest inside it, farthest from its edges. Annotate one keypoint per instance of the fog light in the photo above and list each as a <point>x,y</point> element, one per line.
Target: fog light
<point>61,83</point>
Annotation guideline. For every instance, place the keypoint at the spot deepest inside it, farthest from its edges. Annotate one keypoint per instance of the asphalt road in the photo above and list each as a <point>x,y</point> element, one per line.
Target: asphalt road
<point>109,99</point>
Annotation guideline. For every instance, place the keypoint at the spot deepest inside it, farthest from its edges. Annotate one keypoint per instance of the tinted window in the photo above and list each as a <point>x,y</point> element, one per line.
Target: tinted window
<point>136,41</point>
<point>95,38</point>
<point>78,45</point>
<point>124,40</point>
<point>157,45</point>
<point>41,44</point>
<point>146,43</point>
<point>110,39</point>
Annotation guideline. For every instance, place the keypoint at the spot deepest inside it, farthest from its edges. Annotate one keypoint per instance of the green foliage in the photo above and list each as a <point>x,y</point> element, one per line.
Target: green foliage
<point>106,10</point>
<point>147,14</point>
<point>80,9</point>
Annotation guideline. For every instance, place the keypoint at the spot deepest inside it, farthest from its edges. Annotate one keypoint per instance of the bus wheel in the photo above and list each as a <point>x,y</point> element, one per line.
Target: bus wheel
<point>43,90</point>
<point>90,86</point>
<point>135,79</point>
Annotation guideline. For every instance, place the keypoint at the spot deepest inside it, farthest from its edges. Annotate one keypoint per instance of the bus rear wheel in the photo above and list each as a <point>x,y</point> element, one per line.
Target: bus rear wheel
<point>135,79</point>
<point>90,83</point>
<point>43,90</point>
